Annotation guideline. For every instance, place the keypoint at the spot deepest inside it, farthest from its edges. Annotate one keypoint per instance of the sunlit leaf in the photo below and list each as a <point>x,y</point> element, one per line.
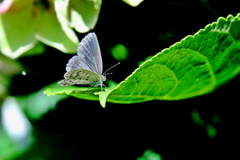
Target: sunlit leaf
<point>82,92</point>
<point>197,65</point>
<point>194,66</point>
<point>78,92</point>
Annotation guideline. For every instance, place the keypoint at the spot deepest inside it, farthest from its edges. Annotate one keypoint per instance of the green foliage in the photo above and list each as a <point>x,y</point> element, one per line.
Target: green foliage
<point>216,119</point>
<point>120,52</point>
<point>15,130</point>
<point>37,104</point>
<point>8,68</point>
<point>82,92</point>
<point>38,49</point>
<point>211,131</point>
<point>194,66</point>
<point>197,118</point>
<point>7,146</point>
<point>165,37</point>
<point>150,155</point>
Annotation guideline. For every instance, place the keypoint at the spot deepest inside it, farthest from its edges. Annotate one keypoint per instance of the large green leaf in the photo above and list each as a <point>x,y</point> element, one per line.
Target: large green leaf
<point>194,66</point>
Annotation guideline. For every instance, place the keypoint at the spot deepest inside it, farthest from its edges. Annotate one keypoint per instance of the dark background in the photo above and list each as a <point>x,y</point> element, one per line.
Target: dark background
<point>81,129</point>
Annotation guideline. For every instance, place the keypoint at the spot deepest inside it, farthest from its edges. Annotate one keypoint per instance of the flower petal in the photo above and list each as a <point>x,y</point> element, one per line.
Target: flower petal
<point>5,5</point>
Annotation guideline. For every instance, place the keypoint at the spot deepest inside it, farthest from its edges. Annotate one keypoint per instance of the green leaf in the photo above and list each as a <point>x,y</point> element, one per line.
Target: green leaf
<point>194,66</point>
<point>78,92</point>
<point>87,93</point>
<point>37,104</point>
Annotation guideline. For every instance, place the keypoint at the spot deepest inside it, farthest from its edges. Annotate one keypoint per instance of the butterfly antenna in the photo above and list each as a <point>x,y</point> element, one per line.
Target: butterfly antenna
<point>111,68</point>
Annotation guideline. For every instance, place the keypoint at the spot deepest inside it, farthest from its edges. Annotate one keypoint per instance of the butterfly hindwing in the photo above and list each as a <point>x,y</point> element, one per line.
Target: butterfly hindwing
<point>79,76</point>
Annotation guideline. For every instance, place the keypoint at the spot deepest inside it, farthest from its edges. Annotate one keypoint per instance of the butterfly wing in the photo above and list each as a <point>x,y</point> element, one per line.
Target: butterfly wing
<point>76,63</point>
<point>89,53</point>
<point>79,76</point>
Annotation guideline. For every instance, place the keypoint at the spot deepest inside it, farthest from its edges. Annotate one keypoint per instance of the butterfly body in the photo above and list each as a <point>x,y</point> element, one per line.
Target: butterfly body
<point>86,66</point>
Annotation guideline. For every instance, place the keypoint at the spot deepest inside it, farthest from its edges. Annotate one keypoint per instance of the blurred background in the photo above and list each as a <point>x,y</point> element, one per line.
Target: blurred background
<point>37,127</point>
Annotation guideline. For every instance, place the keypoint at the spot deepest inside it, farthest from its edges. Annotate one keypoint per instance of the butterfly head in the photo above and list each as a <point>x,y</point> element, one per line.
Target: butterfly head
<point>103,77</point>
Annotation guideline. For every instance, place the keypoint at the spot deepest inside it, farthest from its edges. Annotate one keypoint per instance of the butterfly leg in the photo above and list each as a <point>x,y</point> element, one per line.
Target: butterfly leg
<point>88,89</point>
<point>102,85</point>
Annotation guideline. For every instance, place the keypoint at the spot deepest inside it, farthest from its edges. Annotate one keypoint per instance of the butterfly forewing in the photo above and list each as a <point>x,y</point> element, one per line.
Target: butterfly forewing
<point>79,76</point>
<point>89,52</point>
<point>76,63</point>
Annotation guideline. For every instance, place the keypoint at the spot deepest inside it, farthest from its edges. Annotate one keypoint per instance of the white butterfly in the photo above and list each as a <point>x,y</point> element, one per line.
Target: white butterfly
<point>86,67</point>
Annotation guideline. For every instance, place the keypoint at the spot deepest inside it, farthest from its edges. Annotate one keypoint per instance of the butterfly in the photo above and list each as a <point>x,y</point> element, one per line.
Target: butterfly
<point>86,67</point>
